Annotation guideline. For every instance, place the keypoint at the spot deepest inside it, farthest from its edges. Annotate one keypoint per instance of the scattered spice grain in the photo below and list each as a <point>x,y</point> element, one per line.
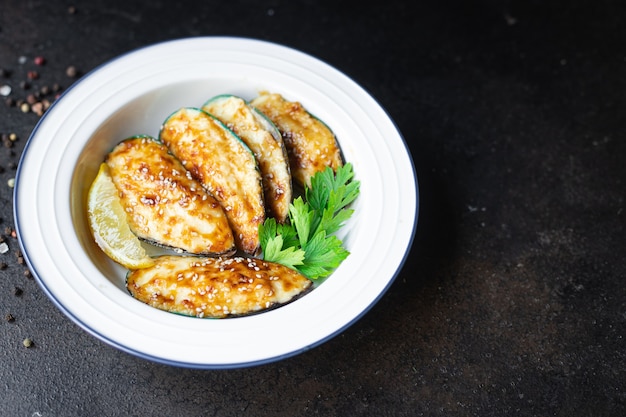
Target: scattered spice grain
<point>9,317</point>
<point>28,342</point>
<point>71,71</point>
<point>18,291</point>
<point>37,108</point>
<point>39,60</point>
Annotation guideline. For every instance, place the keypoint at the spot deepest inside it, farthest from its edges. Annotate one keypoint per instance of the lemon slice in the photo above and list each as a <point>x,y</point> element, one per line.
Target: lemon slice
<point>109,226</point>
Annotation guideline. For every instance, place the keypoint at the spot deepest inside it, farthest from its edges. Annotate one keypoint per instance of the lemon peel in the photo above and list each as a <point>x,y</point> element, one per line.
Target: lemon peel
<point>109,226</point>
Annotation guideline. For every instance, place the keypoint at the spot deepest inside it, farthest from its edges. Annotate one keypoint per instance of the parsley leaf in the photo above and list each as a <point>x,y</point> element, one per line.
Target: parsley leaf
<point>322,255</point>
<point>307,243</point>
<point>272,237</point>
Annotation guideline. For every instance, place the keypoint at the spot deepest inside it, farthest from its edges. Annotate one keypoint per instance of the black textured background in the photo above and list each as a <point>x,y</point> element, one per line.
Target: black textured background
<point>512,301</point>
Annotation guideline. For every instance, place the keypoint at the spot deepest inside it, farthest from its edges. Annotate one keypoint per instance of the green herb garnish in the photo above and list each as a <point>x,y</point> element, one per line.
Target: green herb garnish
<point>308,242</point>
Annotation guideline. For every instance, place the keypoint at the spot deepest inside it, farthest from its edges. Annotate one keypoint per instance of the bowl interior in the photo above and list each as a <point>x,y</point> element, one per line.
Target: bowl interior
<point>141,115</point>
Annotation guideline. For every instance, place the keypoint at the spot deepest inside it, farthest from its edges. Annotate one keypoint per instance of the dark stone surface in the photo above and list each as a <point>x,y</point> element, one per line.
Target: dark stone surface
<point>512,301</point>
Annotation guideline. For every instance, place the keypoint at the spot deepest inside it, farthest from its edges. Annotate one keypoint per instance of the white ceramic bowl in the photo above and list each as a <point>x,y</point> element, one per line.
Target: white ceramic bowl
<point>132,95</point>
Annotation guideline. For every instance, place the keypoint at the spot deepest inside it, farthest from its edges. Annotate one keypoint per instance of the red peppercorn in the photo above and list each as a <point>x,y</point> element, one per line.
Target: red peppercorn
<point>39,60</point>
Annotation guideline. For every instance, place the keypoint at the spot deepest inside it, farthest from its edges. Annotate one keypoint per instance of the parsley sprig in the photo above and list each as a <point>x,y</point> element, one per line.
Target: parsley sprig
<point>307,243</point>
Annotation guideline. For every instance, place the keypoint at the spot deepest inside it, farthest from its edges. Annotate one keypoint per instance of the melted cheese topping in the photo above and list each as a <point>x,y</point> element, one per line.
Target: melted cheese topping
<point>217,158</point>
<point>215,287</point>
<point>163,203</point>
<point>267,144</point>
<point>310,144</point>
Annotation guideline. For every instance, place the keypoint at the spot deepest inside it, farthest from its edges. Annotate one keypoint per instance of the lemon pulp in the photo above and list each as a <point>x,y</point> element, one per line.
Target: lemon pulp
<point>109,225</point>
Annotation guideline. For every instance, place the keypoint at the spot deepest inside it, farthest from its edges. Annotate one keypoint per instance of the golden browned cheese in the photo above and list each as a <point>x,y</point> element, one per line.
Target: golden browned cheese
<point>224,165</point>
<point>264,139</point>
<point>311,145</point>
<point>163,203</point>
<point>215,287</point>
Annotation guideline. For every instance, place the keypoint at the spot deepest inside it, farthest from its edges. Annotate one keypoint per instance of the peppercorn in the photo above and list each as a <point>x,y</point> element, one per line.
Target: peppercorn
<point>18,291</point>
<point>9,317</point>
<point>37,108</point>
<point>71,71</point>
<point>39,60</point>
